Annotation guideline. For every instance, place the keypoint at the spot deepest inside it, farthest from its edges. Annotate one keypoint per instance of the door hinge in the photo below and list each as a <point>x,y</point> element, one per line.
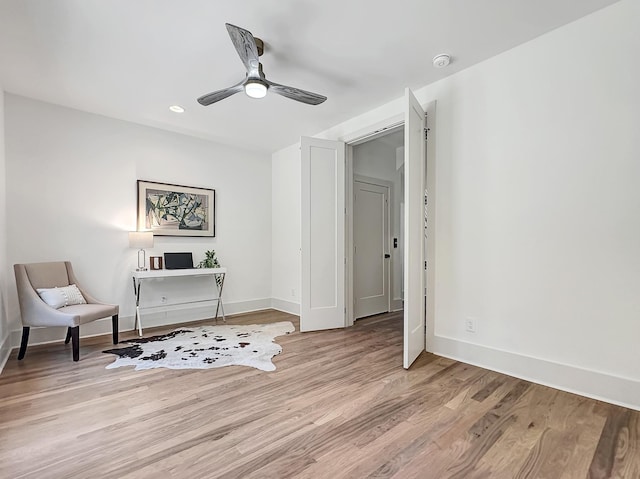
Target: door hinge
<point>425,265</point>
<point>426,133</point>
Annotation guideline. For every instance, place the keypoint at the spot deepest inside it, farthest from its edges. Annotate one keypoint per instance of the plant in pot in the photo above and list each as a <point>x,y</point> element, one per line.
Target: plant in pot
<point>210,261</point>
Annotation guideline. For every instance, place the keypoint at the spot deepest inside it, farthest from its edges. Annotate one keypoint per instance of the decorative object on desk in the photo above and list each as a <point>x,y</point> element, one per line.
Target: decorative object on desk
<point>142,240</point>
<point>210,260</point>
<point>155,262</point>
<point>172,210</point>
<point>205,347</point>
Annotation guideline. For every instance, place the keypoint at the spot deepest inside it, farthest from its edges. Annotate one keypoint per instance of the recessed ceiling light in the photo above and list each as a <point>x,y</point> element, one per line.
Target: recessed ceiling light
<point>176,109</point>
<point>441,61</point>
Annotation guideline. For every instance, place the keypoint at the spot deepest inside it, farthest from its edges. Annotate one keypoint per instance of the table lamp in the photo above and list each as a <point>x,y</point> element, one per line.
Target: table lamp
<point>142,240</point>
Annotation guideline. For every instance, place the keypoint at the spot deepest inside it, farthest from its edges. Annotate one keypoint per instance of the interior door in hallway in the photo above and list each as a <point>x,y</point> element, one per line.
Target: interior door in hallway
<point>371,248</point>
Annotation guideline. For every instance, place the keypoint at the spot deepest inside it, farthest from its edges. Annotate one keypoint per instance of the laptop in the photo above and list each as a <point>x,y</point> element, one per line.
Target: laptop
<point>178,260</point>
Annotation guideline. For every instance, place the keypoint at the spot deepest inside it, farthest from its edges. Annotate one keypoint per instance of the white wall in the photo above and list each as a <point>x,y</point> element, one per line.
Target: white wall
<point>538,202</point>
<point>286,229</point>
<point>71,194</point>
<point>375,159</point>
<point>537,207</point>
<point>5,347</point>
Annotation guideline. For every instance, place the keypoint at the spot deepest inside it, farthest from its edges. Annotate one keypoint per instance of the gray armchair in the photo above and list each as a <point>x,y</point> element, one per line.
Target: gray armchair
<point>35,312</point>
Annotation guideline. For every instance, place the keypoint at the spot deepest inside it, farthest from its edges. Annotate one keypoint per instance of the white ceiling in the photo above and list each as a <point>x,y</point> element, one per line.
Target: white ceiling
<point>132,59</point>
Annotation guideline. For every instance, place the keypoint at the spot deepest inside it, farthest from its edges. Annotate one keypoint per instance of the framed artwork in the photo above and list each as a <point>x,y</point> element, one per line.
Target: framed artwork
<point>173,210</point>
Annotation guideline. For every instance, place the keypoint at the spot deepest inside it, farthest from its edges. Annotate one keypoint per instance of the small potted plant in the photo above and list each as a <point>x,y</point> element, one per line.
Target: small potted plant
<point>210,260</point>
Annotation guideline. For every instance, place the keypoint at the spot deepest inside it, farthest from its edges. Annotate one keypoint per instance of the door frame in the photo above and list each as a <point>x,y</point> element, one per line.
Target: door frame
<point>374,130</point>
<point>389,186</point>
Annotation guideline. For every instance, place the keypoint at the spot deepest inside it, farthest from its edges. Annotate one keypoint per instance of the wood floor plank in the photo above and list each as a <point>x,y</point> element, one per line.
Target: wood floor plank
<point>616,454</point>
<point>532,419</point>
<point>339,405</point>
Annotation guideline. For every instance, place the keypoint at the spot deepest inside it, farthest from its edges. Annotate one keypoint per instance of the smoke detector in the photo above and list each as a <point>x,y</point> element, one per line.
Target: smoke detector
<point>441,61</point>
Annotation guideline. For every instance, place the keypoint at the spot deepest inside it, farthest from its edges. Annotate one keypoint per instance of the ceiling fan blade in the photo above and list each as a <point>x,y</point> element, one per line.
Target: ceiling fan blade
<point>245,46</point>
<point>296,94</point>
<point>215,96</point>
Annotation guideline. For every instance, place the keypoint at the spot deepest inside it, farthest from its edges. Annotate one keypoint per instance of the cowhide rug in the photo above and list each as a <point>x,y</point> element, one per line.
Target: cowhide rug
<point>205,347</point>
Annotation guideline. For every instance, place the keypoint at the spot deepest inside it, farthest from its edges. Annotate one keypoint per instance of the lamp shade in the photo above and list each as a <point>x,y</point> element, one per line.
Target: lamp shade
<point>140,239</point>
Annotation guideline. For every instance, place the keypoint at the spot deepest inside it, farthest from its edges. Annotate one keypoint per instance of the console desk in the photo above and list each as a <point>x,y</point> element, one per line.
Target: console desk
<point>217,274</point>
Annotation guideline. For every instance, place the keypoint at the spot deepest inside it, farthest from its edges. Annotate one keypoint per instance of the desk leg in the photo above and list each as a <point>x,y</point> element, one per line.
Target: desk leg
<point>138,321</point>
<point>136,292</point>
<point>219,279</point>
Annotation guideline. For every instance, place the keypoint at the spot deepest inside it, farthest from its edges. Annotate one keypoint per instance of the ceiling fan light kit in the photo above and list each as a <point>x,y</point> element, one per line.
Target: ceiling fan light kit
<point>441,61</point>
<point>255,83</point>
<point>255,89</point>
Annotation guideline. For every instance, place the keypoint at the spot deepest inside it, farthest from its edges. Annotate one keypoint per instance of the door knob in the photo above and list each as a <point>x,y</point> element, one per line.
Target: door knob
<point>386,255</point>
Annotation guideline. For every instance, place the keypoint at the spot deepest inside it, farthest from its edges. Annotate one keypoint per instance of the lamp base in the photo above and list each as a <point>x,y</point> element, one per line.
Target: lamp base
<point>141,260</point>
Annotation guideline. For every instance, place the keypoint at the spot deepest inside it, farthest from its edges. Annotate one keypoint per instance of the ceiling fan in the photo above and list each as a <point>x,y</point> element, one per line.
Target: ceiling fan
<point>255,84</point>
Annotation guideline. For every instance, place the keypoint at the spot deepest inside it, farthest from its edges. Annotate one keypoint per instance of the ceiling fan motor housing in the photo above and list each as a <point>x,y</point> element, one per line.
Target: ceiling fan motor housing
<point>259,46</point>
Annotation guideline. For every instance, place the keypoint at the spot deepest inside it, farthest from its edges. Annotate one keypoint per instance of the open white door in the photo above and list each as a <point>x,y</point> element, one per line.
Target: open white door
<point>414,160</point>
<point>323,235</point>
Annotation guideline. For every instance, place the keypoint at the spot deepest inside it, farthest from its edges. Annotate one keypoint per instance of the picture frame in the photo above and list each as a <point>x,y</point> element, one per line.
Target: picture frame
<point>155,262</point>
<point>175,210</point>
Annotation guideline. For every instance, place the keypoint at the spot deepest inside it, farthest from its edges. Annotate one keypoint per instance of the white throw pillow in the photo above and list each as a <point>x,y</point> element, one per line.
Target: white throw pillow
<point>60,297</point>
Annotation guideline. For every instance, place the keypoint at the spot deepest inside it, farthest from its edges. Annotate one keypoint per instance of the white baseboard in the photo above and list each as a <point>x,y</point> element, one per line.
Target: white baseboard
<point>397,304</point>
<point>5,350</point>
<point>285,306</point>
<point>164,316</point>
<point>247,306</point>
<point>593,384</point>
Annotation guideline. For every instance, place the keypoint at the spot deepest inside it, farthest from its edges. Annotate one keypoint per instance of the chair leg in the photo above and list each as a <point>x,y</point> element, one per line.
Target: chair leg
<point>68,338</point>
<point>75,342</point>
<point>23,343</point>
<point>114,326</point>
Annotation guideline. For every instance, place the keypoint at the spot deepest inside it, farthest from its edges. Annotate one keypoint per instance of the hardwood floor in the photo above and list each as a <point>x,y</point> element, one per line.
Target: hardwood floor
<point>339,405</point>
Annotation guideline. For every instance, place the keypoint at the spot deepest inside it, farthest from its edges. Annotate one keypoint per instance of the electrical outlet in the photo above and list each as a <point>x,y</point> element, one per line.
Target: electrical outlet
<point>470,325</point>
<point>163,299</point>
<point>293,292</point>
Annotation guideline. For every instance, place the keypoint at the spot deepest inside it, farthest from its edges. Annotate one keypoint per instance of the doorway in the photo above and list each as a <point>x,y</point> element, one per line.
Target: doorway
<point>327,228</point>
<point>378,223</point>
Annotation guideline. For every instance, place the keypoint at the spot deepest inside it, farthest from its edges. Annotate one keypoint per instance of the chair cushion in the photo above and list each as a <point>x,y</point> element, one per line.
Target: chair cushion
<point>86,313</point>
<point>59,297</point>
